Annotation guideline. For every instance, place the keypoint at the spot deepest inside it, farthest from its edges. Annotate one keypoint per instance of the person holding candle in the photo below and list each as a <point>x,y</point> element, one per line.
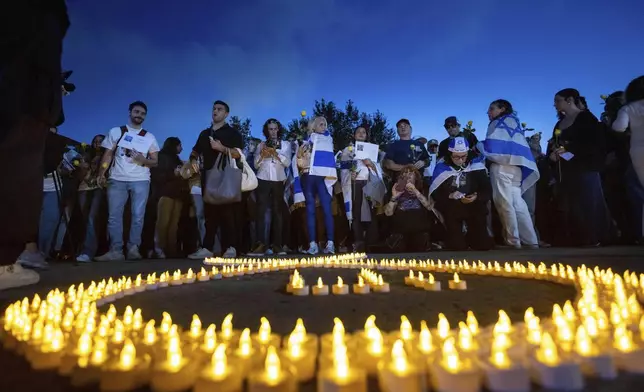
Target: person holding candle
<point>316,163</point>
<point>461,189</point>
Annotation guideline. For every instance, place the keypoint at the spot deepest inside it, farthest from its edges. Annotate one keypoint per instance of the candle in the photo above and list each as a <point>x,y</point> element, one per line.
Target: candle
<point>320,288</point>
<point>89,369</point>
<point>228,335</point>
<point>151,282</point>
<point>219,376</point>
<point>203,275</point>
<point>472,323</point>
<point>551,371</point>
<point>294,279</point>
<point>504,374</point>
<point>409,280</point>
<point>425,344</point>
<point>139,284</point>
<point>628,355</point>
<point>302,360</point>
<point>431,284</point>
<point>381,286</point>
<point>195,332</point>
<point>82,350</point>
<point>360,287</point>
<point>419,281</point>
<point>451,373</point>
<point>264,337</point>
<point>310,342</point>
<point>177,279</point>
<point>341,377</point>
<point>373,351</point>
<point>125,374</point>
<point>51,351</point>
<point>215,274</point>
<point>299,288</point>
<point>398,374</point>
<point>593,362</point>
<point>244,352</point>
<point>457,283</point>
<point>274,377</point>
<point>164,280</point>
<point>175,373</point>
<point>442,327</point>
<point>340,288</point>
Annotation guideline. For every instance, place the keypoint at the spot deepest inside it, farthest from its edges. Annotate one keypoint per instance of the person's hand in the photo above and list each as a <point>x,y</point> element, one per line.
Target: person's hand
<point>177,171</point>
<point>137,157</point>
<point>419,165</point>
<point>469,198</point>
<point>194,166</point>
<point>411,188</point>
<point>354,175</point>
<point>369,163</point>
<point>217,146</point>
<point>395,193</point>
<point>554,155</point>
<point>101,181</point>
<point>456,195</point>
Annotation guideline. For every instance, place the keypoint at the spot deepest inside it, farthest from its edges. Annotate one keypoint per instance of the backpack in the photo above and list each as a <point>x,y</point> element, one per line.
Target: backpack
<point>143,132</point>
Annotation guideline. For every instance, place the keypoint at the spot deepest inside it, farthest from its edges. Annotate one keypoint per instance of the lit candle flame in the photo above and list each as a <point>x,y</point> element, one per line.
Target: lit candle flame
<point>399,357</point>
<point>219,361</point>
<point>127,356</point>
<point>272,365</point>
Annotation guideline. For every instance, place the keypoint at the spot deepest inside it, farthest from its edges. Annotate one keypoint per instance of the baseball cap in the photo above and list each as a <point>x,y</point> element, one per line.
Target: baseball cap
<point>433,142</point>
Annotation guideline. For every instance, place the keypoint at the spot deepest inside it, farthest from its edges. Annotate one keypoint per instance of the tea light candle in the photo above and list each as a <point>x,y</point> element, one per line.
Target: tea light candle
<point>152,282</point>
<point>89,369</point>
<point>128,288</point>
<point>164,280</point>
<point>244,353</point>
<point>310,342</point>
<point>419,281</point>
<point>176,373</point>
<point>628,355</point>
<point>215,274</point>
<point>51,351</point>
<point>451,373</point>
<point>551,371</point>
<point>360,287</point>
<point>177,279</point>
<point>300,289</point>
<point>320,288</point>
<point>341,377</point>
<point>219,376</point>
<point>228,335</point>
<point>203,275</point>
<point>302,360</point>
<point>503,374</point>
<point>227,272</point>
<point>264,337</point>
<point>409,280</point>
<point>398,374</point>
<point>274,377</point>
<point>381,286</point>
<point>340,288</point>
<point>431,284</point>
<point>139,284</point>
<point>82,350</point>
<point>457,283</point>
<point>593,362</point>
<point>126,374</point>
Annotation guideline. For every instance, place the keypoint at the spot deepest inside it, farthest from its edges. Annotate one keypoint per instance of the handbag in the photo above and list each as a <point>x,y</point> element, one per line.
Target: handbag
<point>223,185</point>
<point>249,179</point>
<point>375,189</point>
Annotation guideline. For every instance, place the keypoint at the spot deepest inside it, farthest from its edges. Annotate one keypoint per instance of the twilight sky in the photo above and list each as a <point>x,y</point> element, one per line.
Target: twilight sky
<point>423,60</point>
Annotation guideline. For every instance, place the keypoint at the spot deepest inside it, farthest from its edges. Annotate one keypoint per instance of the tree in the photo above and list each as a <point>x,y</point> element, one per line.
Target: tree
<point>242,126</point>
<point>342,123</point>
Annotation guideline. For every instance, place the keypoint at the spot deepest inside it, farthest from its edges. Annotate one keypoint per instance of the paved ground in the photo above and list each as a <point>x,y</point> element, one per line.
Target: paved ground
<point>251,297</point>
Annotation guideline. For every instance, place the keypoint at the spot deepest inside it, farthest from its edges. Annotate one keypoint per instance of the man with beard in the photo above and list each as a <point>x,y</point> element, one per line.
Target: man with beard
<point>453,129</point>
<point>31,100</point>
<point>130,152</point>
<point>219,138</point>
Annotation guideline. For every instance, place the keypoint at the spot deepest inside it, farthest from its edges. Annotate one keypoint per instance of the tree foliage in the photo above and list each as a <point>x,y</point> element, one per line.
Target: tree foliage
<point>343,122</point>
<point>243,126</point>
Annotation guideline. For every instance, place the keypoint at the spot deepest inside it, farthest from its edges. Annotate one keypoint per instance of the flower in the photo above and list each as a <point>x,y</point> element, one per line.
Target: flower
<point>524,125</point>
<point>104,165</point>
<point>469,123</point>
<point>604,97</point>
<point>413,147</point>
<point>83,144</point>
<point>303,113</point>
<point>350,148</point>
<point>76,162</point>
<point>557,132</point>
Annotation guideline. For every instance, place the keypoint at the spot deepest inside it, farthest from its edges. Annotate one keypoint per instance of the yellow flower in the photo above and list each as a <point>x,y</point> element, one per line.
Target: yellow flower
<point>412,147</point>
<point>83,144</point>
<point>350,148</point>
<point>104,165</point>
<point>604,97</point>
<point>303,113</point>
<point>524,125</point>
<point>557,132</point>
<point>76,163</point>
<point>469,123</point>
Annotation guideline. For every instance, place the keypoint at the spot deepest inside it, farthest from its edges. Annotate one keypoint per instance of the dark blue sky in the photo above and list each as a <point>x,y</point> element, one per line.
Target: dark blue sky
<point>423,60</point>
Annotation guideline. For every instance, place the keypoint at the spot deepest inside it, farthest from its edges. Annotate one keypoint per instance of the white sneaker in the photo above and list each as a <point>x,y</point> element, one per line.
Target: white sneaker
<point>230,253</point>
<point>313,249</point>
<point>133,253</point>
<point>112,255</point>
<point>202,253</point>
<point>15,276</point>
<point>83,258</point>
<point>330,248</point>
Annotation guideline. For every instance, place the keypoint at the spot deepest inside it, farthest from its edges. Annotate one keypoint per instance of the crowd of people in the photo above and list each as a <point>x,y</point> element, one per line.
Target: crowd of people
<point>123,197</point>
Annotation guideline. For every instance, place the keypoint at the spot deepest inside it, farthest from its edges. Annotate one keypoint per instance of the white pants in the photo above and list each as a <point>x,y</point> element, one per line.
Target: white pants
<point>513,211</point>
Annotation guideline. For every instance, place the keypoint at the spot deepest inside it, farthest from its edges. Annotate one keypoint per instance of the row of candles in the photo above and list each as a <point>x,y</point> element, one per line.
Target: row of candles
<point>374,282</point>
<point>601,332</point>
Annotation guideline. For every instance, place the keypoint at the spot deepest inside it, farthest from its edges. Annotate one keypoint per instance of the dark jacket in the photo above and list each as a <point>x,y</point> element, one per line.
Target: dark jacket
<point>477,182</point>
<point>164,182</point>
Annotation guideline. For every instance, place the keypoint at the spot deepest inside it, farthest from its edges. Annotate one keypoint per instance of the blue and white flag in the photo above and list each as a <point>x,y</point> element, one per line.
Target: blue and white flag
<point>323,159</point>
<point>505,144</point>
<point>298,192</point>
<point>444,172</point>
<point>369,192</point>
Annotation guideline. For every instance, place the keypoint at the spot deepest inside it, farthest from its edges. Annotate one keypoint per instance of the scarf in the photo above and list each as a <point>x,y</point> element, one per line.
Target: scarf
<point>369,192</point>
<point>444,171</point>
<point>323,159</point>
<point>505,144</point>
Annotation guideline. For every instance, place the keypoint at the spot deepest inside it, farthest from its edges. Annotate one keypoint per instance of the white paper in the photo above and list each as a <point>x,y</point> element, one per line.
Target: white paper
<point>366,151</point>
<point>132,141</point>
<point>567,155</point>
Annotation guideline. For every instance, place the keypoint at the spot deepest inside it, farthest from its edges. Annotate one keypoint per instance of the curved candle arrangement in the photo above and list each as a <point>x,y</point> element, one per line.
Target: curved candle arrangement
<point>602,331</point>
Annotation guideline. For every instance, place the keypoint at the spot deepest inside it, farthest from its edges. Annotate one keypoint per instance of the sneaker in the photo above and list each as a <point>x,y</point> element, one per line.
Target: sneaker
<point>530,246</point>
<point>15,276</point>
<point>313,249</point>
<point>543,244</point>
<point>32,260</point>
<point>230,253</point>
<point>159,254</point>
<point>83,258</point>
<point>258,250</point>
<point>281,250</point>
<point>344,249</point>
<point>301,250</point>
<point>286,249</point>
<point>112,255</point>
<point>330,248</point>
<point>201,253</point>
<point>133,253</point>
<point>269,252</point>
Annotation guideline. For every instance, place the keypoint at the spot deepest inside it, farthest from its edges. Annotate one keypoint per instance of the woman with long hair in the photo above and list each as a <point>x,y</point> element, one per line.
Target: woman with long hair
<point>579,153</point>
<point>513,170</point>
<point>631,116</point>
<point>172,188</point>
<point>318,172</point>
<point>272,157</point>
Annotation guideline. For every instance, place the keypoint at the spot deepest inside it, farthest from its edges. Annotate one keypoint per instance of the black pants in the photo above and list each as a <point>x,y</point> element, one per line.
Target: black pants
<point>475,217</point>
<point>270,194</point>
<point>229,218</point>
<point>357,225</point>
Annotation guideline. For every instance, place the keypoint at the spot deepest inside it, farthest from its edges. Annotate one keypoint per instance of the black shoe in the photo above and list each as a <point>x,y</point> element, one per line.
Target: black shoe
<point>258,250</point>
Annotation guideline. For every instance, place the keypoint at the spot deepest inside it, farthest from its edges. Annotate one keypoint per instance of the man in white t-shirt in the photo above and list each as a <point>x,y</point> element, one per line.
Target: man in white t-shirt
<point>130,151</point>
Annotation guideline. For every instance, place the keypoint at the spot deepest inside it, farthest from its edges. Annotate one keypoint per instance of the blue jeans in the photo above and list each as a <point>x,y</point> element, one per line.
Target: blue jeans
<point>50,218</point>
<point>315,186</point>
<point>117,195</point>
<point>90,203</point>
<point>201,220</point>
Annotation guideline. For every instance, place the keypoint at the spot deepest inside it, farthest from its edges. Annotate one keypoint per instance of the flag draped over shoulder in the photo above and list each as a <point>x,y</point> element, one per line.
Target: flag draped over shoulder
<point>323,159</point>
<point>505,144</point>
<point>373,193</point>
<point>298,192</point>
<point>443,171</point>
